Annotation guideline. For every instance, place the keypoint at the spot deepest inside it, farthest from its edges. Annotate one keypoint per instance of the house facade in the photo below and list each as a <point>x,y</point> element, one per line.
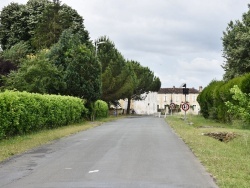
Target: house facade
<point>160,101</point>
<point>174,95</point>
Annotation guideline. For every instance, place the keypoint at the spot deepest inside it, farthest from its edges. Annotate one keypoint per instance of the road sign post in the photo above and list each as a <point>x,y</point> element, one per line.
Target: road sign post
<point>172,106</point>
<point>185,106</point>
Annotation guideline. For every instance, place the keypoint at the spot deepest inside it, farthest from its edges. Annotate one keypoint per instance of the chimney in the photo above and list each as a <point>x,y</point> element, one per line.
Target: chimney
<point>200,89</point>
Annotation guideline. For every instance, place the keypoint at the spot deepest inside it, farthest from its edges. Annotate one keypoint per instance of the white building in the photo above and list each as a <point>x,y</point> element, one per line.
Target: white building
<point>160,102</point>
<point>166,96</point>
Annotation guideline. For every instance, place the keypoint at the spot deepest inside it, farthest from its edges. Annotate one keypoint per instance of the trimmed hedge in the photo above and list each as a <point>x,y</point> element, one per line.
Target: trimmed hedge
<point>101,109</point>
<point>22,112</point>
<point>213,97</point>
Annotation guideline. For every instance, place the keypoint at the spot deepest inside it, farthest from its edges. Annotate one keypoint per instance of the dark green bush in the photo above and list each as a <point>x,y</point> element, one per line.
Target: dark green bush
<point>213,97</point>
<point>22,112</point>
<point>245,84</point>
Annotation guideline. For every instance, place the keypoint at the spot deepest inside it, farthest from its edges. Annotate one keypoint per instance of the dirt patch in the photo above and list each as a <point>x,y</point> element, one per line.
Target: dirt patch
<point>222,136</point>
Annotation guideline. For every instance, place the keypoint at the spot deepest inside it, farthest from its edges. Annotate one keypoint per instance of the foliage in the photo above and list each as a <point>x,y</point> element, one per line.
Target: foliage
<point>236,47</point>
<point>213,98</point>
<point>83,74</point>
<point>101,109</point>
<point>116,74</point>
<point>5,68</point>
<point>242,108</point>
<point>81,70</point>
<point>36,74</point>
<point>22,112</point>
<point>39,23</point>
<point>55,19</point>
<point>13,25</point>
<point>143,81</point>
<point>16,53</point>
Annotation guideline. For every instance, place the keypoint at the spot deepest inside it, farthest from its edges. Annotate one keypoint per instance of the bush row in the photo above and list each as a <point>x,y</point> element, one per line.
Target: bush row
<point>22,112</point>
<point>213,97</point>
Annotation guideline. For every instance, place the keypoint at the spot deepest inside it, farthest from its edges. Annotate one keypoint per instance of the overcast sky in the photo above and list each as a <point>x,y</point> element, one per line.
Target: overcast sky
<point>179,40</point>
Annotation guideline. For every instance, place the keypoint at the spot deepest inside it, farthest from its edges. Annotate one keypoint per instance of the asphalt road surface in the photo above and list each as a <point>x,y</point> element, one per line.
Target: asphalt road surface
<point>135,152</point>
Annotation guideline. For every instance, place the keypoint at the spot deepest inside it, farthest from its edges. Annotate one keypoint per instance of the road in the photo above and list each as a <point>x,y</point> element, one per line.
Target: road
<point>134,152</point>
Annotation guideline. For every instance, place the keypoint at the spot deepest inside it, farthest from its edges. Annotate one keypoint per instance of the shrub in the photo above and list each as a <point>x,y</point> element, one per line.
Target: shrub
<point>22,112</point>
<point>101,109</point>
<point>213,98</point>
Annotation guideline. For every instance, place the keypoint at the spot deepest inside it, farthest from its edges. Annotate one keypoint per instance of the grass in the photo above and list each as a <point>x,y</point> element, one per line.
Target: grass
<point>229,163</point>
<point>20,144</point>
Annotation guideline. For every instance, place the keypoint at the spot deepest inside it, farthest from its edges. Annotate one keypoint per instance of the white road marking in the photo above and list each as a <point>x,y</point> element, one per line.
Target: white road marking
<point>94,171</point>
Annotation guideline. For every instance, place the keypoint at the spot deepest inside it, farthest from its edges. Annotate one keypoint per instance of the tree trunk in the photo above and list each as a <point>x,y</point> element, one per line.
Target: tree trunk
<point>128,107</point>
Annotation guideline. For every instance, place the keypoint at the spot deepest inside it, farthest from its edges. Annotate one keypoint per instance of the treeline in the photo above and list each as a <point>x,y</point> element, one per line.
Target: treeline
<point>46,49</point>
<point>228,100</point>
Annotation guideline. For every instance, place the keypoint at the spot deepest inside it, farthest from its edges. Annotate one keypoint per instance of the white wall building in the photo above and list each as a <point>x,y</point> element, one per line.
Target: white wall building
<point>166,96</point>
<point>159,102</point>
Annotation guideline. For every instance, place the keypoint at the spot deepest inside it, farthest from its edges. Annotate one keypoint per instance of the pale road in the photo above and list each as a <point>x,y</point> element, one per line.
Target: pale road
<point>134,152</point>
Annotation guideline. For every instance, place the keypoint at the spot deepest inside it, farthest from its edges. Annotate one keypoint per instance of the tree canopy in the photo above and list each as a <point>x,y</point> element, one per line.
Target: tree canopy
<point>36,74</point>
<point>236,47</point>
<point>144,82</point>
<point>116,74</point>
<point>46,49</point>
<point>39,23</point>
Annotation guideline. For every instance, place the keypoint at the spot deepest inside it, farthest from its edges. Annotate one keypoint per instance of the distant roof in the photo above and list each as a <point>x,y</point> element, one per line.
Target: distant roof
<point>177,91</point>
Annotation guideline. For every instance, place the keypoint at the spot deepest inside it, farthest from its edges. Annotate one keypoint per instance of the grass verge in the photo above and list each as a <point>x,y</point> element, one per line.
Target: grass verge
<point>228,162</point>
<point>20,144</point>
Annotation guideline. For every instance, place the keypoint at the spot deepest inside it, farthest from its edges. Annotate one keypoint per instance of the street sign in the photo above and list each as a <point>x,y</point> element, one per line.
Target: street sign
<point>172,106</point>
<point>185,106</point>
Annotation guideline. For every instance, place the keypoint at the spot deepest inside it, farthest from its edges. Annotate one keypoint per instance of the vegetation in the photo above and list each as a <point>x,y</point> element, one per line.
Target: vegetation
<point>38,23</point>
<point>227,100</point>
<point>22,112</point>
<point>144,81</point>
<point>236,47</point>
<point>216,95</point>
<point>228,162</point>
<point>117,78</point>
<point>47,50</point>
<point>242,108</point>
<point>101,109</point>
<point>36,74</point>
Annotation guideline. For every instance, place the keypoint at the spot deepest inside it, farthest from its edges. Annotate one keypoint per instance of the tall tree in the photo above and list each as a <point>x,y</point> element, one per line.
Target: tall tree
<point>55,19</point>
<point>13,26</point>
<point>116,74</point>
<point>81,70</point>
<point>39,23</point>
<point>236,47</point>
<point>145,82</point>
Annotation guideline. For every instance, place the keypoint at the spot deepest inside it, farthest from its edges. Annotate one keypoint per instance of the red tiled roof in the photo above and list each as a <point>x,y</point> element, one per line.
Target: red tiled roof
<point>177,91</point>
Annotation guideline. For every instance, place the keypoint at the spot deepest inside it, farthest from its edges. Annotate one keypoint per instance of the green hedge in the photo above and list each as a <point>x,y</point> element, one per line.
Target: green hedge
<point>22,112</point>
<point>213,97</point>
<point>101,109</point>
